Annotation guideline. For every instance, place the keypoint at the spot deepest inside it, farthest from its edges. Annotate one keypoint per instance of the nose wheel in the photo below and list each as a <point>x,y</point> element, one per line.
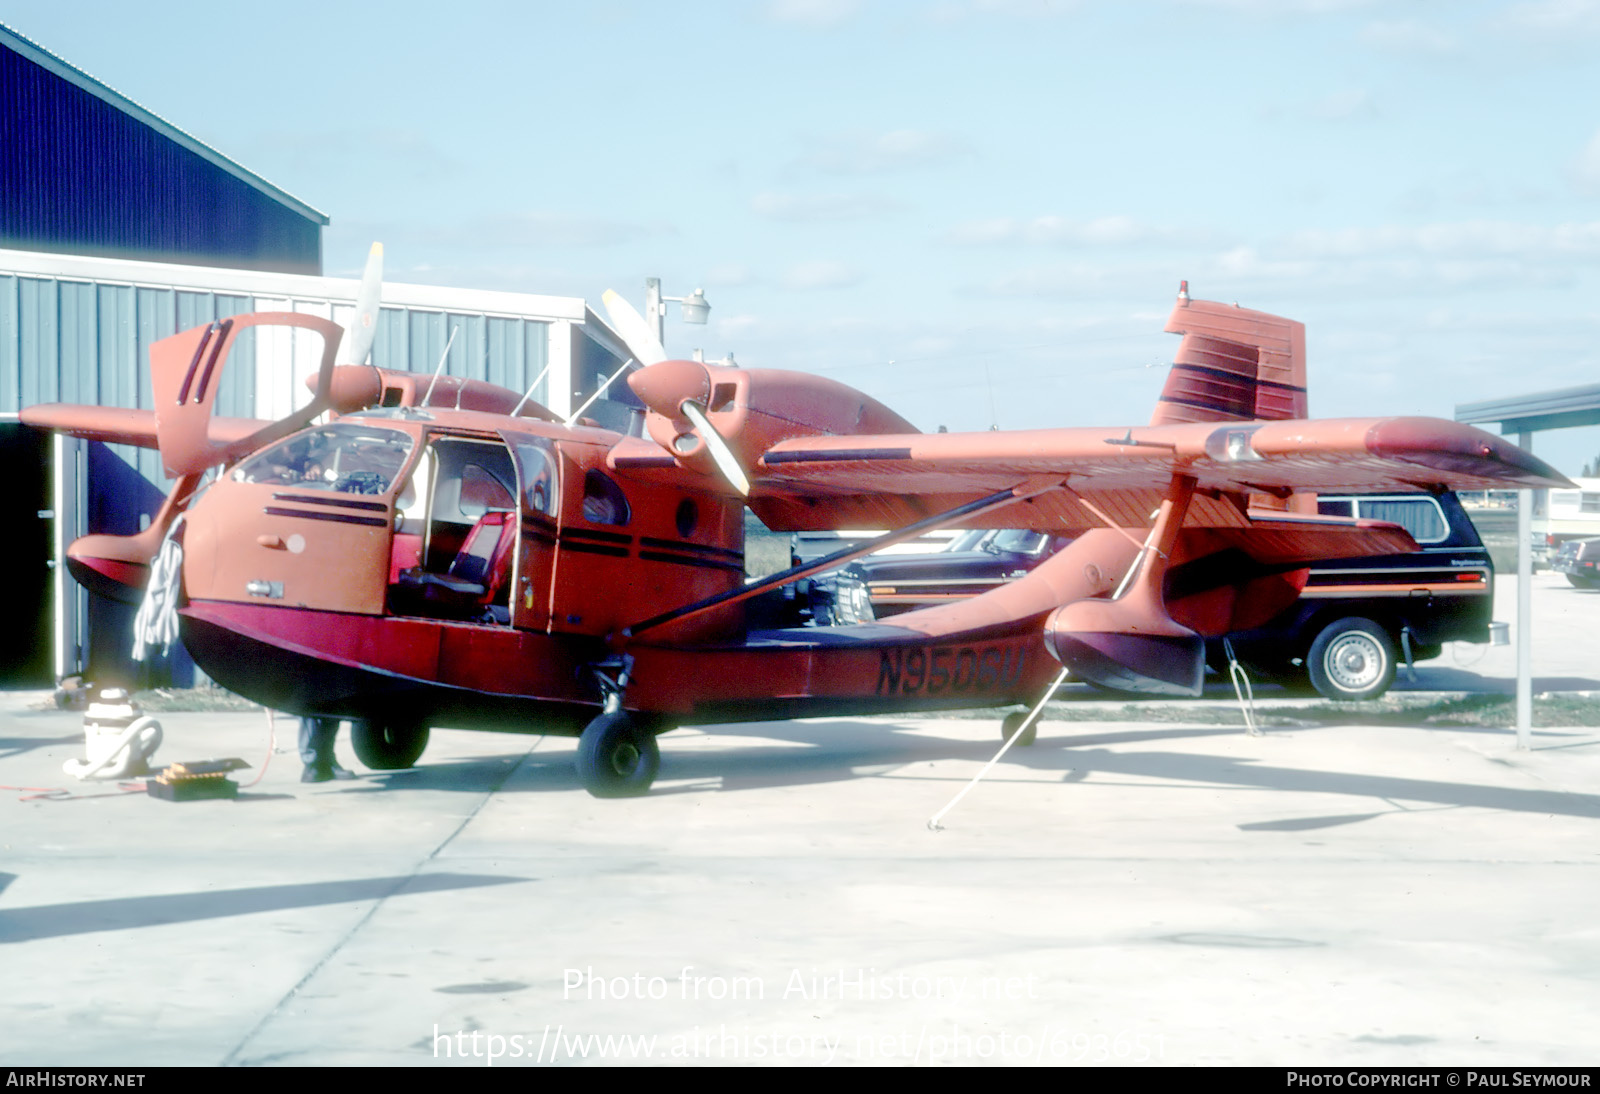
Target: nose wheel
<point>388,744</point>
<point>618,756</point>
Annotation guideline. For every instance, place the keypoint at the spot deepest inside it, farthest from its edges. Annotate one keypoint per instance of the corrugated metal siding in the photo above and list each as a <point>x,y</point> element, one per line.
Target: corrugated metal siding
<point>79,176</point>
<point>77,341</point>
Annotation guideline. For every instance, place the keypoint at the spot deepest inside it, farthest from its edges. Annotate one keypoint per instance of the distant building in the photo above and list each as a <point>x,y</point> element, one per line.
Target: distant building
<point>85,170</point>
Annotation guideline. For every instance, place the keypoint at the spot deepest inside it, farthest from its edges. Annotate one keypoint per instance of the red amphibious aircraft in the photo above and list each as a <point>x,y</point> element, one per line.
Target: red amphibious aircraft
<point>454,555</point>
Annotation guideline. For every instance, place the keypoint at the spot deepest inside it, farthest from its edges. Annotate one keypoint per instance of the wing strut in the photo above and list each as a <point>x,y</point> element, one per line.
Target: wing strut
<point>1131,642</point>
<point>1020,492</point>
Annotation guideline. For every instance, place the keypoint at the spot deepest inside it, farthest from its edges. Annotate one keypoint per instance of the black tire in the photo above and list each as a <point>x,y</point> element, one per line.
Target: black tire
<point>618,756</point>
<point>1582,582</point>
<point>1352,659</point>
<point>1008,729</point>
<point>386,745</point>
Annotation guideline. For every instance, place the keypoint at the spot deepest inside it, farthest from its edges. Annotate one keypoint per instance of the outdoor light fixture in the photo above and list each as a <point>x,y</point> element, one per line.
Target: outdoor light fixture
<point>695,308</point>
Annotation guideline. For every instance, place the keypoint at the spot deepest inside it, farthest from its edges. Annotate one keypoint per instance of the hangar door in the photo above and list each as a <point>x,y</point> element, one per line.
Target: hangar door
<point>27,636</point>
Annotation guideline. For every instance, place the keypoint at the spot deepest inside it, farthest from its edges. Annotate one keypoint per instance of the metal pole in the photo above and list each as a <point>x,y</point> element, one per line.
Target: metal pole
<point>1525,608</point>
<point>654,309</point>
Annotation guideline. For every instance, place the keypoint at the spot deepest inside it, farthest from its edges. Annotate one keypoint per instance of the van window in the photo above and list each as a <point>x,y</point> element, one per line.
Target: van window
<point>1418,515</point>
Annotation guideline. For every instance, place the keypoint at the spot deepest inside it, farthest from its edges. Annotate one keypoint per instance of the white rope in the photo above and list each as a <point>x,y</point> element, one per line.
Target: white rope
<point>157,621</point>
<point>933,821</point>
<point>1242,690</point>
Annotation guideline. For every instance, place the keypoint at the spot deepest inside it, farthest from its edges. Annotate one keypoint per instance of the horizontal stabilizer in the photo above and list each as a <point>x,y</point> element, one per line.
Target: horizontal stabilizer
<point>122,425</point>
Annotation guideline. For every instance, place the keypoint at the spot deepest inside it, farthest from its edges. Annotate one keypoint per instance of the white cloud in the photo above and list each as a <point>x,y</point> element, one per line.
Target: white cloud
<point>961,9</point>
<point>1357,263</point>
<point>1057,231</point>
<point>1408,36</point>
<point>1282,7</point>
<point>1555,18</point>
<point>1056,282</point>
<point>730,275</point>
<point>735,325</point>
<point>821,274</point>
<point>531,233</point>
<point>1351,104</point>
<point>1469,240</point>
<point>822,207</point>
<point>876,153</point>
<point>534,230</point>
<point>819,14</point>
<point>377,152</point>
<point>1586,170</point>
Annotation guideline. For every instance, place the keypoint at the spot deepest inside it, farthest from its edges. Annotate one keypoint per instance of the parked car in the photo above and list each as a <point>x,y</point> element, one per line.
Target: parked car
<point>1579,559</point>
<point>1345,636</point>
<point>883,585</point>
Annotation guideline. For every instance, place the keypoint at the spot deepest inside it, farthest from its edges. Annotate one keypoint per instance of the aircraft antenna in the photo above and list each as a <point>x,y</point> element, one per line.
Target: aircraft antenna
<point>599,391</point>
<point>443,357</point>
<point>529,393</point>
<point>994,418</point>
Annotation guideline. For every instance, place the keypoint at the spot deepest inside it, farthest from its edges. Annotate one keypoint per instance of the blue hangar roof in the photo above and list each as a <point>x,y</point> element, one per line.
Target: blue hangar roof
<point>86,170</point>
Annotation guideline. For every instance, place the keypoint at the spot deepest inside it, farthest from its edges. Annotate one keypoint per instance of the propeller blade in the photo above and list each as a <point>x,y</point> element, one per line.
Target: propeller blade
<point>635,330</point>
<point>364,327</point>
<point>720,452</point>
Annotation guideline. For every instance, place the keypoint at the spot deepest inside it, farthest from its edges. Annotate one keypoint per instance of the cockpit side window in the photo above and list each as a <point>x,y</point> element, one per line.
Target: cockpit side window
<point>603,500</point>
<point>344,458</point>
<point>474,478</point>
<point>482,492</point>
<point>538,476</point>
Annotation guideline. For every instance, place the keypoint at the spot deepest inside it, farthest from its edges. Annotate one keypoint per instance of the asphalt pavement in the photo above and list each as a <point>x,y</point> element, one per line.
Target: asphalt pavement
<point>1120,892</point>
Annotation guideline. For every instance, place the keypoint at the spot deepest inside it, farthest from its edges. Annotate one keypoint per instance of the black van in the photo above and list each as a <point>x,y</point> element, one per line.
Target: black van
<point>1358,617</point>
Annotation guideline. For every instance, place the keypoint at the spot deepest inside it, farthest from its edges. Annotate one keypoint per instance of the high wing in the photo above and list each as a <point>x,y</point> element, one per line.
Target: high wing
<point>830,482</point>
<point>1090,477</point>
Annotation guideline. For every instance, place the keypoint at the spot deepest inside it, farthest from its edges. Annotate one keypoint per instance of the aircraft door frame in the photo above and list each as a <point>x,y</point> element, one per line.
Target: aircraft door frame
<point>69,500</point>
<point>538,467</point>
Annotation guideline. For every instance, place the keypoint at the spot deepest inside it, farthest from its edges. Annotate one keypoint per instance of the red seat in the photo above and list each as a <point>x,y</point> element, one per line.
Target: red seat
<point>478,576</point>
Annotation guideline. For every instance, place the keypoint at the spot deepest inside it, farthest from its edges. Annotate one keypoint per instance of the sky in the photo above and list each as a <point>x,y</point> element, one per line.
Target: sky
<point>977,211</point>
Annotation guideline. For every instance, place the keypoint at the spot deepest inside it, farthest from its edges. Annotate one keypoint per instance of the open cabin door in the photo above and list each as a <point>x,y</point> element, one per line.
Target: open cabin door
<point>538,505</point>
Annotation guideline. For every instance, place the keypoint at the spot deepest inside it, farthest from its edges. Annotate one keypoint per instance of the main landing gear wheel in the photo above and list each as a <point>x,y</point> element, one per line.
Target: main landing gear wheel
<point>618,756</point>
<point>1012,722</point>
<point>1351,659</point>
<point>388,745</point>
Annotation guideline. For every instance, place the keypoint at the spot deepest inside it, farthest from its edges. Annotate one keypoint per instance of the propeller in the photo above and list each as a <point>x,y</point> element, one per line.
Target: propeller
<point>364,327</point>
<point>725,460</point>
<point>634,329</point>
<point>648,351</point>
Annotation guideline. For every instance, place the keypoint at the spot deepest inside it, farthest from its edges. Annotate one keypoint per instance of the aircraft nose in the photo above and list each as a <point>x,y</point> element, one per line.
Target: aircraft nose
<point>665,386</point>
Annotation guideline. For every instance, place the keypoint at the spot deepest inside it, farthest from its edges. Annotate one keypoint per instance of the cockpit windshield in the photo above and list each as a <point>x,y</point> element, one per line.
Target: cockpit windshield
<point>350,459</point>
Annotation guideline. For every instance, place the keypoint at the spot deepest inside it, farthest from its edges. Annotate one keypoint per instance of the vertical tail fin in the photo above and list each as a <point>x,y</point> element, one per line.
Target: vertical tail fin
<point>1234,364</point>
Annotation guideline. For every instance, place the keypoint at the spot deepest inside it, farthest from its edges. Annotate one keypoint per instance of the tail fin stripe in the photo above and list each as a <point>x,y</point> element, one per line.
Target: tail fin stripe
<point>211,363</point>
<point>194,363</point>
<point>1222,374</point>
